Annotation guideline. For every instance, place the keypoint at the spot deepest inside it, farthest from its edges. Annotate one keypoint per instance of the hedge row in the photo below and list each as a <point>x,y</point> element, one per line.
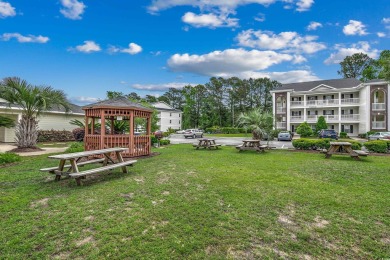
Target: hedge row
<point>378,146</point>
<point>55,136</point>
<point>226,130</point>
<point>314,144</point>
<point>9,158</point>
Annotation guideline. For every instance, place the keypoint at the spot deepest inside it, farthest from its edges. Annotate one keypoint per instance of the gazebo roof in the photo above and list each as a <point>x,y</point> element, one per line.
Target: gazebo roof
<point>119,102</point>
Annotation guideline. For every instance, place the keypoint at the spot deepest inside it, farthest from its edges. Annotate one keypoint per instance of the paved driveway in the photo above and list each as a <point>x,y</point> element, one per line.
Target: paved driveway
<point>179,139</point>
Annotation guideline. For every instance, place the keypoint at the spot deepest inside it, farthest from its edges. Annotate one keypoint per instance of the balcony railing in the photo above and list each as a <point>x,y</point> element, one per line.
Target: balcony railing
<point>326,102</point>
<point>353,117</point>
<point>281,109</point>
<point>328,118</point>
<point>296,118</point>
<point>378,125</point>
<point>297,103</point>
<point>350,101</point>
<point>378,106</point>
<point>281,125</point>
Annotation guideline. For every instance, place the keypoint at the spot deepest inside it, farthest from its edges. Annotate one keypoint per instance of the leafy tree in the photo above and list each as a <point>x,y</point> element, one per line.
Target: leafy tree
<point>358,66</point>
<point>6,122</point>
<point>321,124</point>
<point>114,94</point>
<point>150,99</point>
<point>384,63</point>
<point>33,100</point>
<point>304,130</point>
<point>259,121</point>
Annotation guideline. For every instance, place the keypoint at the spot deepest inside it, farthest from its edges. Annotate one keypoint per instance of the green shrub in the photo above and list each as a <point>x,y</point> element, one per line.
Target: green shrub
<point>55,136</point>
<point>153,139</point>
<point>75,147</point>
<point>165,141</point>
<point>343,135</point>
<point>9,158</point>
<point>225,130</point>
<point>377,146</point>
<point>362,135</point>
<point>304,130</point>
<point>312,144</point>
<point>78,134</point>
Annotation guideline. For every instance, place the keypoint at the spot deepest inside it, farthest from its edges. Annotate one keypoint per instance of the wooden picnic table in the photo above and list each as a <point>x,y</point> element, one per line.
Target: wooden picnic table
<point>344,148</point>
<point>75,160</point>
<point>253,145</point>
<point>206,143</point>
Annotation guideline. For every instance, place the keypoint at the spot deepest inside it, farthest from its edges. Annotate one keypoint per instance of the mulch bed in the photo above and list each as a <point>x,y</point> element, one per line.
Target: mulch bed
<point>26,150</point>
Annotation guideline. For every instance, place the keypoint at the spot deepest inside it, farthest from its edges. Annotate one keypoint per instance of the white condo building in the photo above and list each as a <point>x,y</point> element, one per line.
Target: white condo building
<point>168,116</point>
<point>348,105</point>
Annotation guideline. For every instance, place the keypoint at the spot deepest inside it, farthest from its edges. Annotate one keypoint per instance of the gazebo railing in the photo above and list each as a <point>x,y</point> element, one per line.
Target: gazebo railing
<point>141,143</point>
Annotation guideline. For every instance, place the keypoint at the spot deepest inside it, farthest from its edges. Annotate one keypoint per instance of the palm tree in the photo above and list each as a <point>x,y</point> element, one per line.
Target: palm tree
<point>33,100</point>
<point>261,122</point>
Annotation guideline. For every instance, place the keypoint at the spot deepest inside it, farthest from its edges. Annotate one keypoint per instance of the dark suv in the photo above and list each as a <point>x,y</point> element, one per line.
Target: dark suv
<point>328,133</point>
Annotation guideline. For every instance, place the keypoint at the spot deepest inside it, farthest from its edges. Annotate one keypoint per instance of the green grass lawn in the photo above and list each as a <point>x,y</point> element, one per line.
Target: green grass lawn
<point>188,203</point>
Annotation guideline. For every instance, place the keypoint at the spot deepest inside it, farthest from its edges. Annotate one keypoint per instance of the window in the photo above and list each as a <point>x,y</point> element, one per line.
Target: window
<point>332,127</point>
<point>179,121</point>
<point>170,114</point>
<point>170,121</point>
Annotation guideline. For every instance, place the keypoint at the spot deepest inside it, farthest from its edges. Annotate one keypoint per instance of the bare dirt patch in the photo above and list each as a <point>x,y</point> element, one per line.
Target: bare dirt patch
<point>320,223</point>
<point>89,218</point>
<point>139,179</point>
<point>44,203</point>
<point>165,193</point>
<point>62,256</point>
<point>86,240</point>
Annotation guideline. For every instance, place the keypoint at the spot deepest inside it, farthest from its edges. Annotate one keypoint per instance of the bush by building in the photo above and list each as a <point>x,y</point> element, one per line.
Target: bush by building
<point>55,136</point>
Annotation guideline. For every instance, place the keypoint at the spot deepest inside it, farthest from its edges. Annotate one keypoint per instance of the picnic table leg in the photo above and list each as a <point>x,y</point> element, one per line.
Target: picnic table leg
<point>60,168</point>
<point>75,168</point>
<point>120,159</point>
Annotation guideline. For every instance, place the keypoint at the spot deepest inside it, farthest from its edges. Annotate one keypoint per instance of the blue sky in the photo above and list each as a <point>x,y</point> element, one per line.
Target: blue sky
<point>86,47</point>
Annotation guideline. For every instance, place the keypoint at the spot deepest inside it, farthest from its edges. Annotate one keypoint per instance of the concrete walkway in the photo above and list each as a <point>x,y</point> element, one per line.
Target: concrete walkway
<point>8,147</point>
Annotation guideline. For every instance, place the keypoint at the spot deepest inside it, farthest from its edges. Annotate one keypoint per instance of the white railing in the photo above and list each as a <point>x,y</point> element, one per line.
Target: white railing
<point>378,106</point>
<point>328,118</point>
<point>378,125</point>
<point>347,101</point>
<point>280,125</point>
<point>280,109</point>
<point>326,102</point>
<point>352,117</point>
<point>297,103</point>
<point>296,118</point>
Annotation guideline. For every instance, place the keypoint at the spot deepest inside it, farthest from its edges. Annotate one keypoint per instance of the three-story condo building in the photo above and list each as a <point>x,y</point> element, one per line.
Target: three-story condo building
<point>348,105</point>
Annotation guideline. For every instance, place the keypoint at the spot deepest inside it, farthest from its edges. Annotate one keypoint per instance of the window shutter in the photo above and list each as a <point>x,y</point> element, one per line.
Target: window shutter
<point>351,128</point>
<point>323,112</point>
<point>351,95</point>
<point>299,113</point>
<point>342,112</point>
<point>342,128</point>
<point>332,96</point>
<point>323,97</point>
<point>342,96</point>
<point>332,112</point>
<point>316,98</point>
<point>299,99</point>
<point>351,111</point>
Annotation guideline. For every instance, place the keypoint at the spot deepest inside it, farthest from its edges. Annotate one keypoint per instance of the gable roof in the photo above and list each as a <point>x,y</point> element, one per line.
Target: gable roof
<point>74,109</point>
<point>312,85</point>
<point>119,102</point>
<point>162,106</point>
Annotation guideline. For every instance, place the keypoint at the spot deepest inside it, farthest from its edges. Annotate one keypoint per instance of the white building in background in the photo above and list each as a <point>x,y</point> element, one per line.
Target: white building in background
<point>56,119</point>
<point>168,116</point>
<point>348,105</point>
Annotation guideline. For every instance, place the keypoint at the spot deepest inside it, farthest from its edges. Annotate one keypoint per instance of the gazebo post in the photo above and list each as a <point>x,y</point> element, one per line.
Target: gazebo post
<point>93,126</point>
<point>86,125</point>
<point>112,125</point>
<point>149,127</point>
<point>102,128</point>
<point>131,123</point>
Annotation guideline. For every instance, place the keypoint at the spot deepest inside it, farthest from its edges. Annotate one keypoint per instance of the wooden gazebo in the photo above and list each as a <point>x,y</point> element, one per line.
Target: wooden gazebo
<point>108,111</point>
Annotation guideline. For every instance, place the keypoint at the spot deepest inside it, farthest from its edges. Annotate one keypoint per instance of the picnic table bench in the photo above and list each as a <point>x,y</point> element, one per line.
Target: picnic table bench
<point>72,171</point>
<point>252,145</point>
<point>206,143</point>
<point>344,148</point>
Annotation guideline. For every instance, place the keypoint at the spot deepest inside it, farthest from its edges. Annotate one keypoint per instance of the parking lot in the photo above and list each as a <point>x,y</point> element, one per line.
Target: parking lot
<point>179,139</point>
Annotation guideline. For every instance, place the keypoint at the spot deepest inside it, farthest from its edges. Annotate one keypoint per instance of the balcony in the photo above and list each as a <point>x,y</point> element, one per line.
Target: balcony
<point>296,118</point>
<point>378,106</point>
<point>352,117</point>
<point>379,125</point>
<point>321,103</point>
<point>281,125</point>
<point>350,101</point>
<point>328,118</point>
<point>297,103</point>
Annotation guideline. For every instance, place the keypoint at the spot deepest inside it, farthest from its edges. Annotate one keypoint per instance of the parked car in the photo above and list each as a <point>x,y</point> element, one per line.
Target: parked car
<point>328,133</point>
<point>180,131</point>
<point>379,136</point>
<point>194,133</point>
<point>284,136</point>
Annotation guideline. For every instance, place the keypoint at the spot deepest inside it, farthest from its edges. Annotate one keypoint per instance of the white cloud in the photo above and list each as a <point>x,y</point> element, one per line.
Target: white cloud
<point>24,39</point>
<point>227,62</point>
<point>73,9</point>
<point>209,20</point>
<point>6,10</point>
<point>313,26</point>
<point>87,47</point>
<point>260,17</point>
<point>342,52</point>
<point>132,49</point>
<point>84,100</point>
<point>355,28</point>
<point>304,5</point>
<point>381,34</point>
<point>386,20</point>
<point>283,77</point>
<point>162,87</point>
<point>287,41</point>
